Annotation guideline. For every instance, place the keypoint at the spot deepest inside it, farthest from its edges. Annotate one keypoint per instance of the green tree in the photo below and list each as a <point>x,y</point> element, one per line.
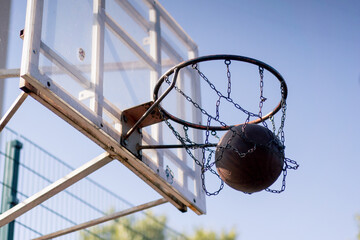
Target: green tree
<point>202,234</point>
<point>149,227</point>
<point>357,217</point>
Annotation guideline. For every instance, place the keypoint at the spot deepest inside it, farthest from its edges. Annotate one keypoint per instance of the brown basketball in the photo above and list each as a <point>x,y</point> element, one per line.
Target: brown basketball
<point>250,158</point>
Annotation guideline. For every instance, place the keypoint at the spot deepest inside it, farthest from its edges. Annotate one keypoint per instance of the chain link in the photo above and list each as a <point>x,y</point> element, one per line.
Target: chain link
<point>287,166</point>
<point>214,134</point>
<point>283,117</point>
<point>272,120</point>
<point>228,74</point>
<point>262,98</point>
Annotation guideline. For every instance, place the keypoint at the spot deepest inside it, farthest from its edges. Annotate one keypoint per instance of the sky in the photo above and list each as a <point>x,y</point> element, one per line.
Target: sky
<point>315,45</point>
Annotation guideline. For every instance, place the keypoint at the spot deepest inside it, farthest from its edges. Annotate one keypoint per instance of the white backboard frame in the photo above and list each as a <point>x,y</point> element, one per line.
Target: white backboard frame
<point>89,119</point>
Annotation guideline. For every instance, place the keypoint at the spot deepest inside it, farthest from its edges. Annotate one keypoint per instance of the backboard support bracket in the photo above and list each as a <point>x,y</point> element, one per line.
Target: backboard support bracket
<point>134,140</point>
<point>129,117</point>
<point>135,113</point>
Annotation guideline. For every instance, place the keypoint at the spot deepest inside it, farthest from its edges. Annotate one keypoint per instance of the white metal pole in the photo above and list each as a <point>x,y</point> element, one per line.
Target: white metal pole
<point>198,137</point>
<point>14,107</point>
<point>103,219</point>
<point>97,61</point>
<point>155,53</point>
<point>4,34</point>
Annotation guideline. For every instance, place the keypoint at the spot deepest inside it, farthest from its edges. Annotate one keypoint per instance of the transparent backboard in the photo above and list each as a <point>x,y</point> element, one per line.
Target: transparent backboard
<point>90,60</point>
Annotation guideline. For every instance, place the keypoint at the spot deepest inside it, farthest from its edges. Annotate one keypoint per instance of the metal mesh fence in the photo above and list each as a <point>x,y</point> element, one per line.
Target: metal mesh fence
<point>84,201</point>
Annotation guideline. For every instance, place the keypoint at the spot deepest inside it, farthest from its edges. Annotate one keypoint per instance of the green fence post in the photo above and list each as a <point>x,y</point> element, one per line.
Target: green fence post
<point>11,174</point>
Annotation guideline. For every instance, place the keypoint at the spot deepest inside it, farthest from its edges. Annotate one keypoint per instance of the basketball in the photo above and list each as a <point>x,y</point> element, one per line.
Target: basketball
<point>249,158</point>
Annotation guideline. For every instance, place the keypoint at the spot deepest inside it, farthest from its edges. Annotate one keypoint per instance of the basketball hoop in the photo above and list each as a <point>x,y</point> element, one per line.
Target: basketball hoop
<point>240,147</point>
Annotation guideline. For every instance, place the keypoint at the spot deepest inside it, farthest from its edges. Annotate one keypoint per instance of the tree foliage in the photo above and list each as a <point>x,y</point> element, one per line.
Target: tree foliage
<point>202,234</point>
<point>358,222</point>
<point>128,228</point>
<point>149,227</point>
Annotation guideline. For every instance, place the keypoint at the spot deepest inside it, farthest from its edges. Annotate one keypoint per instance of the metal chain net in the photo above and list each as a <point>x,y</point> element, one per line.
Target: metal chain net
<point>206,160</point>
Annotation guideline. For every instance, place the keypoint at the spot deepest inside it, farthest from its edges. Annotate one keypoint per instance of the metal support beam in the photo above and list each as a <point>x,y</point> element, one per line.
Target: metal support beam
<point>9,73</point>
<point>155,52</point>
<point>55,188</point>
<point>173,25</point>
<point>129,41</point>
<point>11,176</point>
<point>97,56</point>
<point>103,219</point>
<point>12,110</point>
<point>4,33</point>
<point>191,146</point>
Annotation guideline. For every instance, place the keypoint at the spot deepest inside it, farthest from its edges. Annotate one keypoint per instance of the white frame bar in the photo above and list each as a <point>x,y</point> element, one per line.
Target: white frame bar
<point>9,73</point>
<point>55,188</point>
<point>129,41</point>
<point>97,60</point>
<point>4,32</point>
<point>64,66</point>
<point>103,219</point>
<point>155,53</point>
<point>12,110</point>
<point>173,25</point>
<point>196,95</point>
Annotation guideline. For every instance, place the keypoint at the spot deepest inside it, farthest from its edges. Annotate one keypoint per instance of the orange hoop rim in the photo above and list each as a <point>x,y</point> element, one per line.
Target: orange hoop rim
<point>174,71</point>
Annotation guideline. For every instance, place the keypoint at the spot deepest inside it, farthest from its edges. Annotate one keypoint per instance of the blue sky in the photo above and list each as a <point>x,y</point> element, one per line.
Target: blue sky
<point>315,45</point>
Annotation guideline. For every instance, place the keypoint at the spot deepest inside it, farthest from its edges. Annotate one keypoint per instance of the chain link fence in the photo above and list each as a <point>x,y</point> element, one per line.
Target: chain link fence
<point>84,201</point>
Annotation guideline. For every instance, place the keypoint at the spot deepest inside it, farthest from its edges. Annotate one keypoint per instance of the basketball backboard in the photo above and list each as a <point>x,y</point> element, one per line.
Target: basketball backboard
<point>92,62</point>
